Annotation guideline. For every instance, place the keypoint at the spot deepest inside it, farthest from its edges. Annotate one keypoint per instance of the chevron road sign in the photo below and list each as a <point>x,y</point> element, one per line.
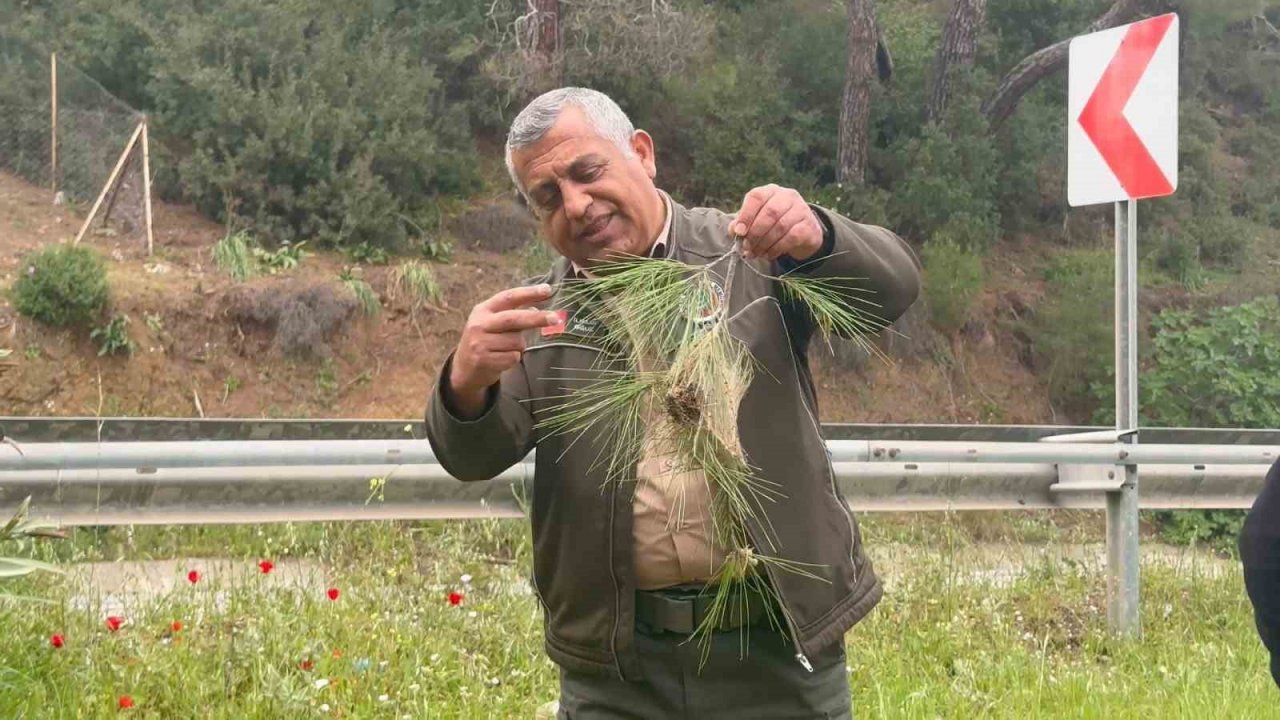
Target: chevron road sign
<point>1122,113</point>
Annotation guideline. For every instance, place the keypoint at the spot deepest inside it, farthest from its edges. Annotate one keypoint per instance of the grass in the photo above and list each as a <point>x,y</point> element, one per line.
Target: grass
<point>368,300</point>
<point>952,639</point>
<point>234,254</point>
<point>417,283</point>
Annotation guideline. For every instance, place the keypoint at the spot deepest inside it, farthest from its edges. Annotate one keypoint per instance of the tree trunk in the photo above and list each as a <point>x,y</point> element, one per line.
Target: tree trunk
<point>546,45</point>
<point>956,53</point>
<point>1044,62</point>
<point>855,102</point>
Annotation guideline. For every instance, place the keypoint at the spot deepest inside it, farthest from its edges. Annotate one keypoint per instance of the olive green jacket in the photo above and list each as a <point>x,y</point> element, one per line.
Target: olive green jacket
<point>582,527</point>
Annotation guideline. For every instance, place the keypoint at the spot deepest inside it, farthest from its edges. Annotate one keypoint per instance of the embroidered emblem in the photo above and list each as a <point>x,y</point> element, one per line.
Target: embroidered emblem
<point>712,305</point>
<point>558,328</point>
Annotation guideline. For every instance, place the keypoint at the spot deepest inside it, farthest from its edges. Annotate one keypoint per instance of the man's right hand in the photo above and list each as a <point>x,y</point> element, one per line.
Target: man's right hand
<point>492,342</point>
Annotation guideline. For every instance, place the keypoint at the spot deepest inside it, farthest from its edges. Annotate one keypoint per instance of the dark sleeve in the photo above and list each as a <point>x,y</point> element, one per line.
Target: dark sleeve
<point>1260,555</point>
<point>876,269</point>
<point>482,448</point>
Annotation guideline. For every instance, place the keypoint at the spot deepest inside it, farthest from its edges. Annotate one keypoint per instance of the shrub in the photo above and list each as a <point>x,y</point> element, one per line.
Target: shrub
<point>498,227</point>
<point>367,254</point>
<point>284,258</point>
<point>308,122</point>
<point>953,279</point>
<point>1223,240</point>
<point>948,186</point>
<point>62,286</point>
<point>1222,371</point>
<point>302,317</point>
<point>1216,528</point>
<point>1071,333</point>
<point>1178,254</point>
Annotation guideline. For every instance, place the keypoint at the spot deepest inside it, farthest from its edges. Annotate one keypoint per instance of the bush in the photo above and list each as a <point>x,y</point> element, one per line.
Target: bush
<point>497,227</point>
<point>1217,528</point>
<point>306,121</point>
<point>1071,333</point>
<point>953,278</point>
<point>302,317</point>
<point>948,186</point>
<point>62,286</point>
<point>1178,254</point>
<point>1223,371</point>
<point>1223,240</point>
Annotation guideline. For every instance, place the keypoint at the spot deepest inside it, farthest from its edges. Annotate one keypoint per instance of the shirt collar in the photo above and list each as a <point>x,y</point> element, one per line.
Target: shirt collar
<point>659,247</point>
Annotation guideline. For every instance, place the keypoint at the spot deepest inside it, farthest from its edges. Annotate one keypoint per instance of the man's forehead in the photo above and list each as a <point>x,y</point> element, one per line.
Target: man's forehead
<point>569,139</point>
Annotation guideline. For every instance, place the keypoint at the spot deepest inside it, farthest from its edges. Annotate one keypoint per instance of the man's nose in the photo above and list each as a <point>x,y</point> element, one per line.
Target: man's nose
<point>576,202</point>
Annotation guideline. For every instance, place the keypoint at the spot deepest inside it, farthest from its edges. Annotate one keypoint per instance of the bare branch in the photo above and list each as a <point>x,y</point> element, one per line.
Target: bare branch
<point>1044,62</point>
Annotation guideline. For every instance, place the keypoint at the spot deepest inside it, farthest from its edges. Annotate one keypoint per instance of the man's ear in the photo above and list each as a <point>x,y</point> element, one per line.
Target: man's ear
<point>642,146</point>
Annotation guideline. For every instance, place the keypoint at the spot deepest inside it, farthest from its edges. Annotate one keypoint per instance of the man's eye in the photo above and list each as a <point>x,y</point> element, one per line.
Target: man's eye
<point>548,203</point>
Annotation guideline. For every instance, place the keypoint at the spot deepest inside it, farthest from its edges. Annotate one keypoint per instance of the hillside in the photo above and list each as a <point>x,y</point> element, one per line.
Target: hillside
<point>375,131</point>
<point>191,341</point>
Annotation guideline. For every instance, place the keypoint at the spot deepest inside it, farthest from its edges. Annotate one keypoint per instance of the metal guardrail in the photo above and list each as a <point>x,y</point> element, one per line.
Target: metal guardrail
<point>270,481</point>
<point>113,429</point>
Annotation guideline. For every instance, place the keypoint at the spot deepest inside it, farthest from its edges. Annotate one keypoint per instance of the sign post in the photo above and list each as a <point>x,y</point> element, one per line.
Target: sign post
<point>1122,145</point>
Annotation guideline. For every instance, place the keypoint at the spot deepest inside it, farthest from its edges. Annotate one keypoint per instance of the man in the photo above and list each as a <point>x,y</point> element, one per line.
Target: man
<point>1260,554</point>
<point>616,567</point>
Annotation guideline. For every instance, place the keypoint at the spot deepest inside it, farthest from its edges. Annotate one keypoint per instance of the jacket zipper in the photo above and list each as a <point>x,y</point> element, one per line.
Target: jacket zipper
<point>848,517</point>
<point>786,614</point>
<point>613,574</point>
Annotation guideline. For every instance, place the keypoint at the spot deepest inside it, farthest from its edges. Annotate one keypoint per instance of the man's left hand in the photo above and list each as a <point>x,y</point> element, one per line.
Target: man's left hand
<point>775,221</point>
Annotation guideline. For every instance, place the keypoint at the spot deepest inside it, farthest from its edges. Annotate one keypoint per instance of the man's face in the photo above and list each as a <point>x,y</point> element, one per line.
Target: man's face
<point>594,201</point>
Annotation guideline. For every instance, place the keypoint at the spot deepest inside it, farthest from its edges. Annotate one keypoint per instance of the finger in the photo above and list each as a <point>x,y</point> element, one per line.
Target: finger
<point>788,242</point>
<point>518,297</point>
<point>503,360</point>
<point>507,321</point>
<point>504,343</point>
<point>751,206</point>
<point>500,361</point>
<point>771,224</point>
<point>791,231</point>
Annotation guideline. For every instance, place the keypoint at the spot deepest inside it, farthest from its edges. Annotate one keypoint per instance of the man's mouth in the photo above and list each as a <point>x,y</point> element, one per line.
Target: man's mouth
<point>595,228</point>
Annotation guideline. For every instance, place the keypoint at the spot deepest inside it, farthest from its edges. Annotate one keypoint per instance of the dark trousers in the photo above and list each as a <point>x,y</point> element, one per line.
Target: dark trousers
<point>768,683</point>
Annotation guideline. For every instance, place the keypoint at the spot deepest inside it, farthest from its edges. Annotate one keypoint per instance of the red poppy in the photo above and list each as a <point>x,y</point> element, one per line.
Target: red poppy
<point>306,664</point>
<point>337,653</point>
<point>193,577</point>
<point>455,598</point>
<point>126,702</point>
<point>176,626</point>
<point>114,622</point>
<point>266,566</point>
<point>333,593</point>
<point>56,641</point>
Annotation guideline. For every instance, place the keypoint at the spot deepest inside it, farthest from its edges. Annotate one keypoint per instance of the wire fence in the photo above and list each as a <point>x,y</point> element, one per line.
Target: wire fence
<point>74,149</point>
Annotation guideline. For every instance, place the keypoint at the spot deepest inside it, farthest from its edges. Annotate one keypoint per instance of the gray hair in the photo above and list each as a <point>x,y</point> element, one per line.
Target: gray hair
<point>608,120</point>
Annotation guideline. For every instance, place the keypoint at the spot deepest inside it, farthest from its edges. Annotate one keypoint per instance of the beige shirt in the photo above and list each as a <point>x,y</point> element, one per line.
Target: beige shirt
<point>672,509</point>
<point>672,524</point>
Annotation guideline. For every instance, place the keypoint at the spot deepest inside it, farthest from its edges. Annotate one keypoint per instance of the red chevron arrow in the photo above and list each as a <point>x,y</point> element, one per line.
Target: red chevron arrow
<point>1103,117</point>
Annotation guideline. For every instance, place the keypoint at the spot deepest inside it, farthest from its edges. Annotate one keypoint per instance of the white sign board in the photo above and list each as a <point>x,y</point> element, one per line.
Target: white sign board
<point>1122,113</point>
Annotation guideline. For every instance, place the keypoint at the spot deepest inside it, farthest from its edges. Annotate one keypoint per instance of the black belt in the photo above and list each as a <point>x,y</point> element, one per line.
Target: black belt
<point>684,609</point>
